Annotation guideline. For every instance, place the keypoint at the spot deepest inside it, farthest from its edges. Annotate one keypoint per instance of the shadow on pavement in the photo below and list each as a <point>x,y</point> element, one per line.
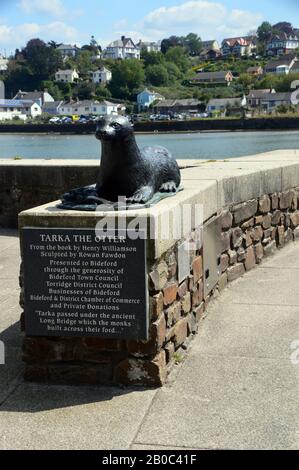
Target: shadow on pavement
<point>27,397</point>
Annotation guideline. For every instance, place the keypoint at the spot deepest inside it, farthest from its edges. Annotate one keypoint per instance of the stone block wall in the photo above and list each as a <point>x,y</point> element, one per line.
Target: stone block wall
<point>249,232</point>
<point>256,229</point>
<point>23,186</point>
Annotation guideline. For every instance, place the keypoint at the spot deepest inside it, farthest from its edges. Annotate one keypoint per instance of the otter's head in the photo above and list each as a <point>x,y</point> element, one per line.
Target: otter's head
<point>113,128</point>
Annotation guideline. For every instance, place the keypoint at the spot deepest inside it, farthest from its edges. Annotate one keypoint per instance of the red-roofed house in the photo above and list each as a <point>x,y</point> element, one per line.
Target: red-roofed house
<point>239,46</point>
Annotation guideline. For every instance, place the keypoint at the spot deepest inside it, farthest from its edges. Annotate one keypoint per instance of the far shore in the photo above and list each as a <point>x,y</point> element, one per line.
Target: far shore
<point>267,123</point>
<point>209,131</point>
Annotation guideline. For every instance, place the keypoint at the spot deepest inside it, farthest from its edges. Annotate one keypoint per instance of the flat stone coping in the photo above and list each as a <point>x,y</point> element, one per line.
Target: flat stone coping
<point>275,155</point>
<point>209,186</point>
<point>49,162</point>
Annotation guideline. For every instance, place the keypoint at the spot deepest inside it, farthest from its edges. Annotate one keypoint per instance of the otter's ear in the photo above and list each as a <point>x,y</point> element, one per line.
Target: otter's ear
<point>101,122</point>
<point>130,119</point>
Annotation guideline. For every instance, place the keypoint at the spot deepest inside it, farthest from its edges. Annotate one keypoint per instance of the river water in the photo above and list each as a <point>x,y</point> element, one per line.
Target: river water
<point>214,145</point>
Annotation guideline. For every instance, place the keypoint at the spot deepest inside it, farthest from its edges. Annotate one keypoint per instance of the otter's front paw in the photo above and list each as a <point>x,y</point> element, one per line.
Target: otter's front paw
<point>168,187</point>
<point>80,195</point>
<point>141,196</point>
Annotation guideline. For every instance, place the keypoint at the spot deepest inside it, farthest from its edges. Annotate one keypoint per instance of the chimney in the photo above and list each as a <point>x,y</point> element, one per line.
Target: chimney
<point>123,38</point>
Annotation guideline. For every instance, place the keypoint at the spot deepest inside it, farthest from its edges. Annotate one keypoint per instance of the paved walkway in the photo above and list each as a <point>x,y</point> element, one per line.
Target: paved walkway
<point>237,389</point>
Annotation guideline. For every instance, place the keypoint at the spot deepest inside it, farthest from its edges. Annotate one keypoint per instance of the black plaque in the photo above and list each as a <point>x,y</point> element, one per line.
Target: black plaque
<point>80,284</point>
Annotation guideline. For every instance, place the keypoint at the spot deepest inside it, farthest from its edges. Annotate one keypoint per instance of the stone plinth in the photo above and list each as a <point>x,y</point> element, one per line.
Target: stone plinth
<point>172,307</point>
<point>256,202</point>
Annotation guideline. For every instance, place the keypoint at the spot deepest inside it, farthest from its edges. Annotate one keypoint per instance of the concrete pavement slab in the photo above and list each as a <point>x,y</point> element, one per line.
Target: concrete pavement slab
<point>266,286</point>
<point>55,417</point>
<point>237,388</point>
<point>226,403</point>
<point>287,258</point>
<point>10,263</point>
<point>262,331</point>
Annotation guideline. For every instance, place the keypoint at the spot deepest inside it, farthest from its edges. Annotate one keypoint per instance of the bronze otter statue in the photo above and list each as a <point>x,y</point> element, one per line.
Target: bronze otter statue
<point>125,170</point>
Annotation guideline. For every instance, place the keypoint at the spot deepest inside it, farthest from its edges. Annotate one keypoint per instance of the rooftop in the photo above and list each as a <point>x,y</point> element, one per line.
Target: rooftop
<point>123,42</point>
<point>224,101</point>
<point>259,93</point>
<point>16,103</point>
<point>207,75</point>
<point>173,103</point>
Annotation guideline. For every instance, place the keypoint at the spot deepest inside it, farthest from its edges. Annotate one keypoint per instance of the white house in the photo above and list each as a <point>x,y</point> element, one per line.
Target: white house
<point>146,98</point>
<point>23,109</point>
<point>242,46</point>
<point>123,48</point>
<point>67,50</point>
<point>3,64</point>
<point>281,66</point>
<point>282,43</point>
<point>255,96</point>
<point>66,76</point>
<point>149,46</point>
<point>39,97</point>
<point>270,101</point>
<point>210,45</point>
<point>221,104</point>
<point>88,107</point>
<point>102,75</point>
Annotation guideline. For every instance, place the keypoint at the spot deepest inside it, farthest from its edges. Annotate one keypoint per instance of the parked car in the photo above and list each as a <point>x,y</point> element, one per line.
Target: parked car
<point>66,120</point>
<point>82,120</point>
<point>178,117</point>
<point>164,117</point>
<point>55,120</point>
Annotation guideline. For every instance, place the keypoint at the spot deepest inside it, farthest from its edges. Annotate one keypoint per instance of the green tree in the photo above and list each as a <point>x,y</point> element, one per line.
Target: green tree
<point>42,59</point>
<point>246,80</point>
<point>172,41</point>
<point>177,55</point>
<point>269,81</point>
<point>174,72</point>
<point>157,75</point>
<point>285,82</point>
<point>102,93</point>
<point>53,89</point>
<point>84,62</point>
<point>127,77</point>
<point>264,32</point>
<point>151,58</point>
<point>20,78</point>
<point>84,91</point>
<point>193,44</point>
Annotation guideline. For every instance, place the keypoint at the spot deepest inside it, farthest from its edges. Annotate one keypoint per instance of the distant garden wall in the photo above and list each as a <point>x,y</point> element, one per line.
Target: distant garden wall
<point>25,184</point>
<point>252,124</point>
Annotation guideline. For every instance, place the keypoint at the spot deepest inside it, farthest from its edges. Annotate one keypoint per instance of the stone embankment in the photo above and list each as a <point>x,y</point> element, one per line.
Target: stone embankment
<point>254,203</point>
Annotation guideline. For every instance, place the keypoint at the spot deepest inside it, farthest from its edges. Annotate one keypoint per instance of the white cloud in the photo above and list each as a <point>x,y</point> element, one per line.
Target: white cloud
<point>208,19</point>
<point>120,24</point>
<point>52,7</point>
<point>12,37</point>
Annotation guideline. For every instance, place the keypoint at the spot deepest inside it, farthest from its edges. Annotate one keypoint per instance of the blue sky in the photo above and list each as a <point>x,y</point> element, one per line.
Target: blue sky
<point>74,21</point>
